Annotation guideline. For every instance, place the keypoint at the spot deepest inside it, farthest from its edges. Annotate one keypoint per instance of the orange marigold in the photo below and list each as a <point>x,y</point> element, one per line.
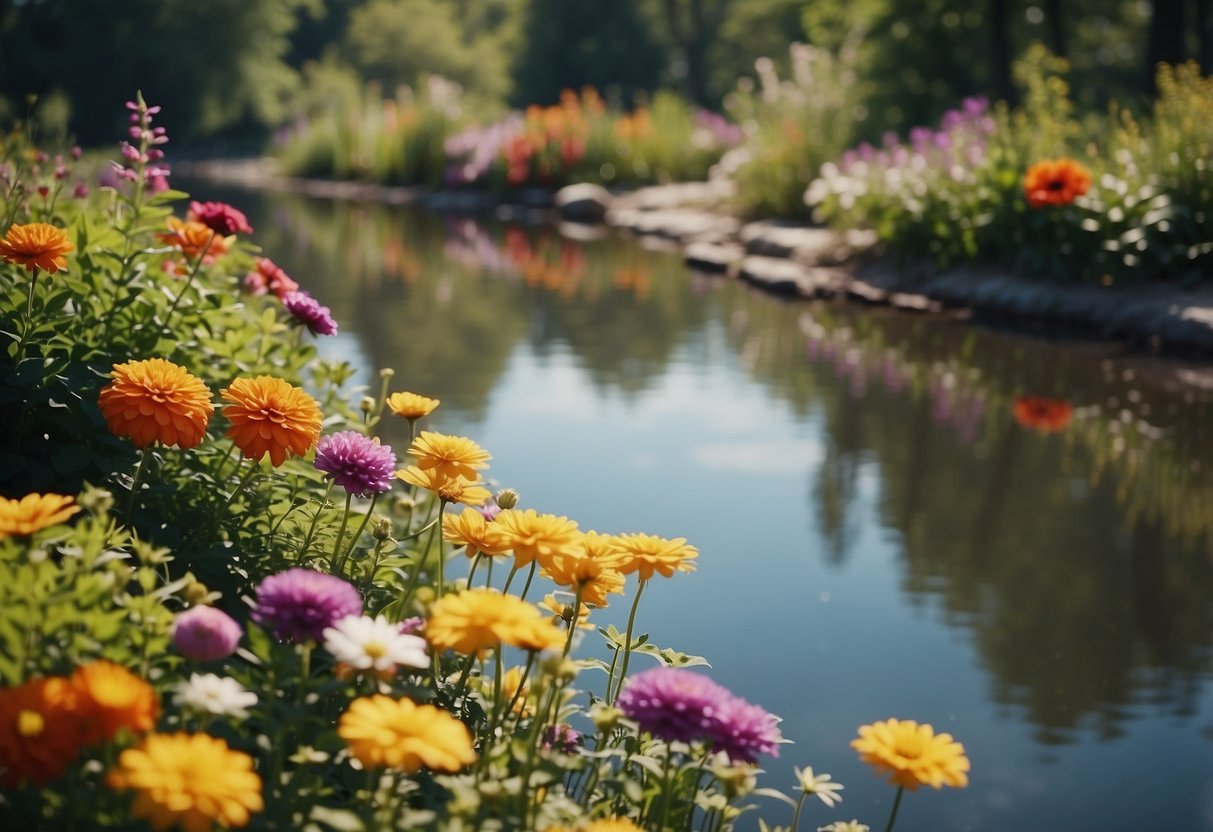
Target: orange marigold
<point>38,245</point>
<point>1041,414</point>
<point>156,401</point>
<point>39,731</point>
<point>1055,182</point>
<point>112,698</point>
<point>33,513</point>
<point>269,416</point>
<point>192,238</point>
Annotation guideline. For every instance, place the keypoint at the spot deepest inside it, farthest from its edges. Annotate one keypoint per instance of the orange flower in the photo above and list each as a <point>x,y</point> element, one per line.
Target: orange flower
<point>39,731</point>
<point>1041,414</point>
<point>112,698</point>
<point>33,513</point>
<point>1055,182</point>
<point>192,238</point>
<point>156,401</point>
<point>269,416</point>
<point>38,245</point>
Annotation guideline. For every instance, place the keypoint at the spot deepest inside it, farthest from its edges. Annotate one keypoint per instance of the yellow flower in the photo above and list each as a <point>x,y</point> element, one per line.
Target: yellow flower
<point>411,406</point>
<point>111,699</point>
<point>595,569</point>
<point>191,780</point>
<point>600,825</point>
<point>156,401</point>
<point>646,554</point>
<point>402,735</point>
<point>38,245</point>
<point>511,681</point>
<point>479,620</point>
<point>448,489</point>
<point>33,513</point>
<point>449,456</point>
<point>270,416</point>
<point>540,537</point>
<point>470,529</point>
<point>39,731</point>
<point>912,754</point>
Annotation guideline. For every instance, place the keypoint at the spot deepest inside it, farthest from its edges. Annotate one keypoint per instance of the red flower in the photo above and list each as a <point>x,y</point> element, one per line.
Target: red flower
<point>1041,414</point>
<point>1055,182</point>
<point>220,217</point>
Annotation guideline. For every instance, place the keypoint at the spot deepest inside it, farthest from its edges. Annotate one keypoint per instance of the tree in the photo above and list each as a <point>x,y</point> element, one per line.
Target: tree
<point>1165,42</point>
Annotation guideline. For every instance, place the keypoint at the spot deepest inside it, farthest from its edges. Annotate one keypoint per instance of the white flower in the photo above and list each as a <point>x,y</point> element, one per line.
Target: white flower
<point>366,643</point>
<point>219,695</point>
<point>844,826</point>
<point>821,786</point>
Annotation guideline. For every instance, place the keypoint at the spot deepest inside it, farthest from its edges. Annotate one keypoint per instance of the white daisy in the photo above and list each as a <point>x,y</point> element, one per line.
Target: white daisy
<point>366,643</point>
<point>819,785</point>
<point>219,695</point>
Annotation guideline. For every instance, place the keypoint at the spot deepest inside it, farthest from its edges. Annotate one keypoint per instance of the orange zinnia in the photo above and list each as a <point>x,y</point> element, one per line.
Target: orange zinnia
<point>192,238</point>
<point>112,698</point>
<point>1055,182</point>
<point>38,245</point>
<point>39,731</point>
<point>33,513</point>
<point>1041,414</point>
<point>156,401</point>
<point>269,416</point>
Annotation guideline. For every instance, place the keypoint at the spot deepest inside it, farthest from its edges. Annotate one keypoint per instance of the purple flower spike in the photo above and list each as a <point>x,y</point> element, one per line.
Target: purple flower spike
<point>356,462</point>
<point>298,604</point>
<point>308,311</point>
<point>205,634</point>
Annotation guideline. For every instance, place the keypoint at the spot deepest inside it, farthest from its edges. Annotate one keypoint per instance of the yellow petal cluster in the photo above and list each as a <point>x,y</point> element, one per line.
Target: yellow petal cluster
<point>402,735</point>
<point>646,554</point>
<point>33,513</point>
<point>594,570</point>
<point>448,489</point>
<point>912,755</point>
<point>479,620</point>
<point>470,529</point>
<point>538,537</point>
<point>449,456</point>
<point>411,405</point>
<point>191,781</point>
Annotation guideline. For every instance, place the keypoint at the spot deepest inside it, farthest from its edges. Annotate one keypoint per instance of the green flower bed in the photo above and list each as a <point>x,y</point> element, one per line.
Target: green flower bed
<point>225,602</point>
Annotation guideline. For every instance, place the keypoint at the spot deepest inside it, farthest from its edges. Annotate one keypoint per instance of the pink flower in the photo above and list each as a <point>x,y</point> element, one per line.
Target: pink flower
<point>205,634</point>
<point>220,217</point>
<point>269,277</point>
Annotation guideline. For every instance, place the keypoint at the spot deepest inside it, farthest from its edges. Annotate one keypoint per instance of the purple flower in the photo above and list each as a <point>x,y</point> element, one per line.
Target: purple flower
<point>205,634</point>
<point>561,737</point>
<point>308,311</point>
<point>299,604</point>
<point>681,705</point>
<point>673,704</point>
<point>413,626</point>
<point>489,510</point>
<point>358,463</point>
<point>746,730</point>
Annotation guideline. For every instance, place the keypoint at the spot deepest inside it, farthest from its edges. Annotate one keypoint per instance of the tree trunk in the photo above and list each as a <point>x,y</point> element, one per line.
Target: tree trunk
<point>1057,27</point>
<point>1000,52</point>
<point>1166,40</point>
<point>1204,30</point>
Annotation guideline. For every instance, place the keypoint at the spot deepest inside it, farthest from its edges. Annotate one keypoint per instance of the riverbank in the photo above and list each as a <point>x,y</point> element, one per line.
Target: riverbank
<point>801,261</point>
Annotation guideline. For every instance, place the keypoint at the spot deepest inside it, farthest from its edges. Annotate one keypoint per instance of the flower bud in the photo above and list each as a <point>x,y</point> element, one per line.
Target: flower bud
<point>196,593</point>
<point>507,498</point>
<point>96,501</point>
<point>381,527</point>
<point>560,667</point>
<point>367,404</point>
<point>386,373</point>
<point>604,717</point>
<point>205,634</point>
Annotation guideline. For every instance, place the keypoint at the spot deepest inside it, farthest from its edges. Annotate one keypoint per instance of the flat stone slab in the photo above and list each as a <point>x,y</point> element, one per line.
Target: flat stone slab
<point>585,203</point>
<point>787,277</point>
<point>675,223</point>
<point>713,257</point>
<point>807,244</point>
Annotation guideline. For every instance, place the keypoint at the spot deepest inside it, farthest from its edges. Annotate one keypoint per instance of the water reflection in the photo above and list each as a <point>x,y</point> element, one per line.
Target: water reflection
<point>1040,511</point>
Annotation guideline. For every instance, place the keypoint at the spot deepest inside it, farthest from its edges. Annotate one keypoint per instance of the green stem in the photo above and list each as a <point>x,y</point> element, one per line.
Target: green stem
<point>472,569</point>
<point>243,482</point>
<point>366,518</point>
<point>627,646</point>
<point>530,576</point>
<point>305,671</point>
<point>441,554</point>
<point>799,806</point>
<point>510,579</point>
<point>29,317</point>
<point>667,772</point>
<point>568,643</point>
<point>189,281</point>
<point>311,531</point>
<point>345,519</point>
<point>488,578</point>
<point>896,805</point>
<point>130,503</point>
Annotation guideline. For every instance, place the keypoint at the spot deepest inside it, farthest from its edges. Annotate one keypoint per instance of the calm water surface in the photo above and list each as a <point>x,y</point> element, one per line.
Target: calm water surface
<point>883,531</point>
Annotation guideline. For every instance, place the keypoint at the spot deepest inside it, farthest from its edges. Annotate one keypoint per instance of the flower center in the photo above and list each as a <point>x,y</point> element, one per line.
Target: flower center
<point>375,649</point>
<point>30,723</point>
<point>1055,185</point>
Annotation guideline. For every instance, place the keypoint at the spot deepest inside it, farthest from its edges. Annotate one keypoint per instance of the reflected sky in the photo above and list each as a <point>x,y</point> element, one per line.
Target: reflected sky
<point>886,528</point>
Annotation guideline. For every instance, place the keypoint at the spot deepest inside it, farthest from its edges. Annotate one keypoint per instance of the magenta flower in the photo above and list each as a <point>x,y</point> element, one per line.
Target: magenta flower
<point>269,277</point>
<point>357,463</point>
<point>205,634</point>
<point>298,604</point>
<point>220,217</point>
<point>412,626</point>
<point>687,707</point>
<point>673,704</point>
<point>561,737</point>
<point>308,311</point>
